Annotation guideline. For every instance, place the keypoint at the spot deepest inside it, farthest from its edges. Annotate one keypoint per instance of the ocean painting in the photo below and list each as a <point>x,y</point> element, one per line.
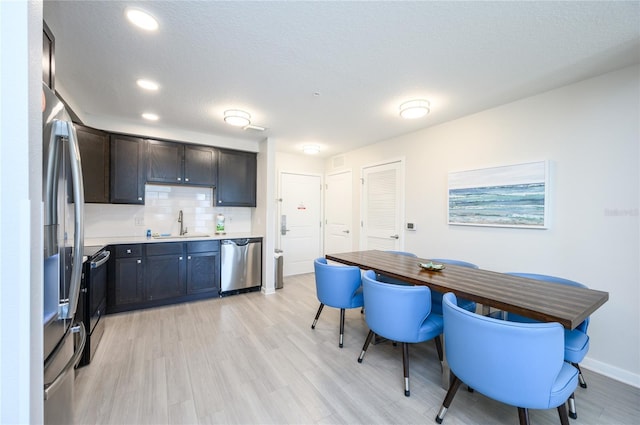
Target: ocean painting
<point>509,196</point>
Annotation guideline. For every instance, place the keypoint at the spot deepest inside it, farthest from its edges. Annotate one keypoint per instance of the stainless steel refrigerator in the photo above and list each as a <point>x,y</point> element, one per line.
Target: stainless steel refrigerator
<point>63,198</point>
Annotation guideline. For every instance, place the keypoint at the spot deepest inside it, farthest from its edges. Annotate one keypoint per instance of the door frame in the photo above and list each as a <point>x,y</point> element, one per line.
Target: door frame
<point>401,218</point>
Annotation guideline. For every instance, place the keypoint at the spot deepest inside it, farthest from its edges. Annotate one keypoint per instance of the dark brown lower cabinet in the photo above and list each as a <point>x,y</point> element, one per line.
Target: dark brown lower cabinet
<point>203,267</point>
<point>154,274</point>
<point>165,268</point>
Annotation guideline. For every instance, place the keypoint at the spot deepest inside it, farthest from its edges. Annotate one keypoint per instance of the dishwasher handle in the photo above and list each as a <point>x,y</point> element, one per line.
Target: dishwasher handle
<point>237,242</point>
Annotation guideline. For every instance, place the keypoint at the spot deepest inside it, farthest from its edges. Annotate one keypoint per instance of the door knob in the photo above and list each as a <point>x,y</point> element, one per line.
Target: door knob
<point>394,237</point>
<point>345,231</point>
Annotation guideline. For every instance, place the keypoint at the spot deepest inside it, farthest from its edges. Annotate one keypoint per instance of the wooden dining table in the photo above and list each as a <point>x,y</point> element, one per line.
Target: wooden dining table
<point>536,299</point>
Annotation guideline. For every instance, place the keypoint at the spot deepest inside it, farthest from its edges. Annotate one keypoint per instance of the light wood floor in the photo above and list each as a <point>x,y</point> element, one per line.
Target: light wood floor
<point>253,359</point>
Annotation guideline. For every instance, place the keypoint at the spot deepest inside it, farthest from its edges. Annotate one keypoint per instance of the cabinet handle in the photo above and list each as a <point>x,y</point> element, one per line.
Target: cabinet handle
<point>139,261</point>
<point>139,198</point>
<point>128,251</point>
<point>220,201</point>
<point>186,179</point>
<point>180,258</point>
<point>179,178</point>
<point>188,257</point>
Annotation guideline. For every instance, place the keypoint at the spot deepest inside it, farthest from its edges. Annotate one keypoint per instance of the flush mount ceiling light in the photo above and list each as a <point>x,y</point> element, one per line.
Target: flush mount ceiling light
<point>150,116</point>
<point>414,109</point>
<point>141,19</point>
<point>147,84</point>
<point>311,149</point>
<point>237,118</point>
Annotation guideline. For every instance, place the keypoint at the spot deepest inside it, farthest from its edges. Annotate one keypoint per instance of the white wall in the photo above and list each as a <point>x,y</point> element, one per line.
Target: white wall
<point>590,133</point>
<point>265,211</point>
<point>21,366</point>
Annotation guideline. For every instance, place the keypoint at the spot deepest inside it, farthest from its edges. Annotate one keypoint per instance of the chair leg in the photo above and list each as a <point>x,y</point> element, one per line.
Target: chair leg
<point>562,412</point>
<point>313,325</point>
<point>455,384</point>
<point>405,367</point>
<point>523,416</point>
<point>341,327</point>
<point>365,346</point>
<point>438,341</point>
<point>581,380</point>
<point>573,414</point>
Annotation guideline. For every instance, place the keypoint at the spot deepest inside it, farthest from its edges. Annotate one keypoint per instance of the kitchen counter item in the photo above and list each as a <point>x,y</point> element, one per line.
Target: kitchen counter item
<point>241,265</point>
<point>120,240</point>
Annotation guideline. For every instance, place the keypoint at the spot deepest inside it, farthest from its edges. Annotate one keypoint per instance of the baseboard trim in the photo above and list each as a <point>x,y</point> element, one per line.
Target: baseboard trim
<point>612,372</point>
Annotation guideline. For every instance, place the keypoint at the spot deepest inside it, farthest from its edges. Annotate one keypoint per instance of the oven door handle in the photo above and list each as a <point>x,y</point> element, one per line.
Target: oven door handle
<point>103,259</point>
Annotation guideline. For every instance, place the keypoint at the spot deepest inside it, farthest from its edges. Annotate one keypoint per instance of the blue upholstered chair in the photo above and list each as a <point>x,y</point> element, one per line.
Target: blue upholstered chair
<point>338,287</point>
<point>400,313</point>
<point>520,364</point>
<point>576,341</point>
<point>436,297</point>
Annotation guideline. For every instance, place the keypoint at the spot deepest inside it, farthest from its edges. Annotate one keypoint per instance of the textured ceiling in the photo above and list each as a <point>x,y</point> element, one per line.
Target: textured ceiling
<point>272,59</point>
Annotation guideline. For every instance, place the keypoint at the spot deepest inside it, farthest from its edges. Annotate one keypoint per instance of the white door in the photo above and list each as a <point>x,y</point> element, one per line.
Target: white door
<point>382,207</point>
<point>300,222</point>
<point>338,203</point>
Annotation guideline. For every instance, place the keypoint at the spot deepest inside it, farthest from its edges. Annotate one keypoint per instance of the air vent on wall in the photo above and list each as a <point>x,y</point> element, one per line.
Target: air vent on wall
<point>338,161</point>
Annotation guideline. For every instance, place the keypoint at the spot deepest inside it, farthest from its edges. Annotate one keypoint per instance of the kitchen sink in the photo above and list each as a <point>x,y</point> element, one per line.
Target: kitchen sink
<point>187,236</point>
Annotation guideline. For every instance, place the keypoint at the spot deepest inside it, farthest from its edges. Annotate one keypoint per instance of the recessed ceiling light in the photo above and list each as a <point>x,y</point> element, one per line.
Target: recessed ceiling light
<point>142,19</point>
<point>237,118</point>
<point>414,109</point>
<point>147,84</point>
<point>150,116</point>
<point>311,149</point>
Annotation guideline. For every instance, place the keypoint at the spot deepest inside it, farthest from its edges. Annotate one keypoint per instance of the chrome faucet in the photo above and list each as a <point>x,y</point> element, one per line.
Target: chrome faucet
<point>183,230</point>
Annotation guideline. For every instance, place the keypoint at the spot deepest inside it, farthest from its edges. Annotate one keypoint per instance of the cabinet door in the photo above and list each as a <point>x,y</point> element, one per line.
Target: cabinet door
<point>94,153</point>
<point>200,165</point>
<point>127,170</point>
<point>236,179</point>
<point>164,276</point>
<point>203,272</point>
<point>164,162</point>
<point>128,281</point>
<point>48,56</point>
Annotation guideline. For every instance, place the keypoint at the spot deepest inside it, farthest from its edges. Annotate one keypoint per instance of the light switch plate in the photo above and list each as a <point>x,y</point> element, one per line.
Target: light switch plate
<point>411,226</point>
<point>139,221</point>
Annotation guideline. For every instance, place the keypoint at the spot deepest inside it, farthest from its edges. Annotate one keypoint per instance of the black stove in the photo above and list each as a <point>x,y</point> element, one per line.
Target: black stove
<point>92,302</point>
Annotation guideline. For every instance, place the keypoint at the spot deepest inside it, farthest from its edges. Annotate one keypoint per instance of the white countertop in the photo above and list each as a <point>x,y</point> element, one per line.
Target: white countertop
<point>119,240</point>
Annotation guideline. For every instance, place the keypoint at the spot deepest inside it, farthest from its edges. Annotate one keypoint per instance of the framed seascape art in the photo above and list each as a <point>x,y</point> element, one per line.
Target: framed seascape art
<point>508,196</point>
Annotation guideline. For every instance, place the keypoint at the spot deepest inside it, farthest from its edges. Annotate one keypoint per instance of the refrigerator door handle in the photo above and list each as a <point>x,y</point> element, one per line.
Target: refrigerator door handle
<point>78,234</point>
<point>50,389</point>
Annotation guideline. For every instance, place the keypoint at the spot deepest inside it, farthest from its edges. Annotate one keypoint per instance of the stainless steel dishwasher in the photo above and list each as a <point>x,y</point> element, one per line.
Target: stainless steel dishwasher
<point>241,264</point>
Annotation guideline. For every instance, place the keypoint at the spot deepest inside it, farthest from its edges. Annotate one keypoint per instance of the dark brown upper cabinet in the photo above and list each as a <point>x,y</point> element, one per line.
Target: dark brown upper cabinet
<point>178,163</point>
<point>127,169</point>
<point>48,57</point>
<point>164,162</point>
<point>94,154</point>
<point>237,172</point>
<point>200,165</point>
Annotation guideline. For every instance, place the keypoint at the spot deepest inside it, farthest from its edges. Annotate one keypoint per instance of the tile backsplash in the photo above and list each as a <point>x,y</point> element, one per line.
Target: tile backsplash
<point>160,214</point>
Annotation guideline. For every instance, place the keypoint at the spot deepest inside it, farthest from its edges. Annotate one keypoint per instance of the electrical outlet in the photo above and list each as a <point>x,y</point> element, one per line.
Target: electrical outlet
<point>139,221</point>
